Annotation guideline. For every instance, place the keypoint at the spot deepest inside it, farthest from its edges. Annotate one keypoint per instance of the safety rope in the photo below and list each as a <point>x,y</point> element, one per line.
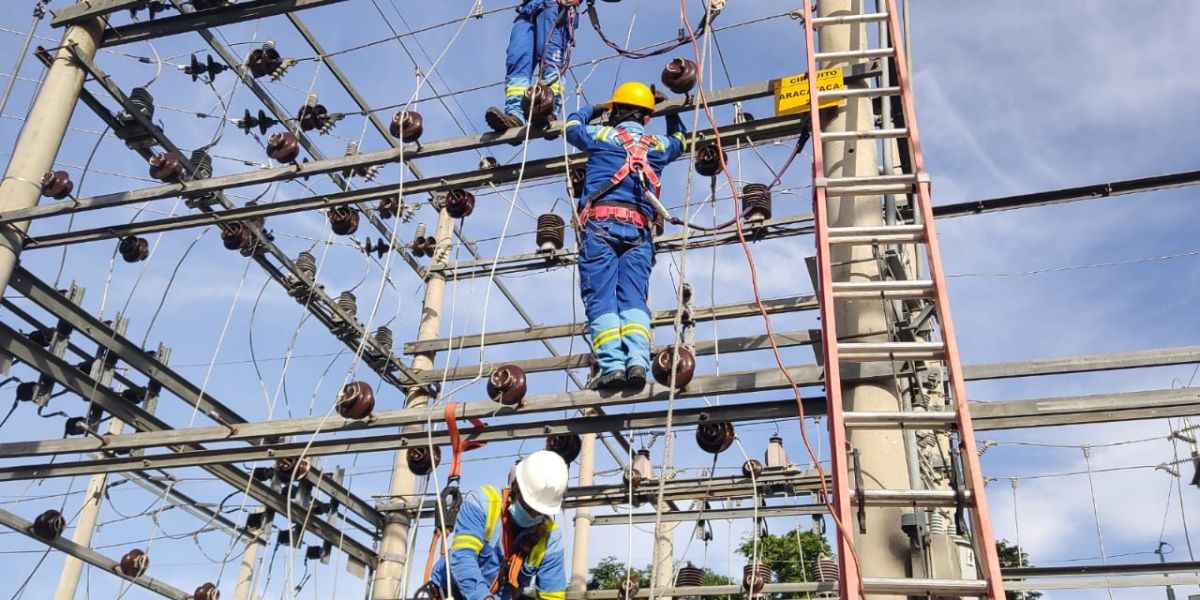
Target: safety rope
<point>699,32</point>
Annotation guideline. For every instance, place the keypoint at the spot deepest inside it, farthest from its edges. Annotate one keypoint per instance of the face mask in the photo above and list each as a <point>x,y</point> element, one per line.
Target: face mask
<point>521,517</point>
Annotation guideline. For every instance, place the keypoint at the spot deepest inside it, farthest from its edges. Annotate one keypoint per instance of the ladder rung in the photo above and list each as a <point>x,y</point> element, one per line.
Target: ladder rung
<point>871,134</point>
<point>888,289</point>
<point>881,234</point>
<point>902,498</point>
<point>925,587</point>
<point>869,190</point>
<point>846,19</point>
<point>859,93</point>
<point>886,351</point>
<point>853,54</point>
<point>906,178</point>
<point>912,419</point>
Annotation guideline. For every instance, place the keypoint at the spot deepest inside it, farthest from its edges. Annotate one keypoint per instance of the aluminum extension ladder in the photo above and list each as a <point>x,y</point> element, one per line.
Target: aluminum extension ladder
<point>931,292</point>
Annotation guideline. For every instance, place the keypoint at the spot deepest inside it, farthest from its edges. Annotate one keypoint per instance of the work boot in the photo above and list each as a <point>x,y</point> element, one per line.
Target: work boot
<point>550,129</point>
<point>501,121</point>
<point>608,381</point>
<point>635,377</point>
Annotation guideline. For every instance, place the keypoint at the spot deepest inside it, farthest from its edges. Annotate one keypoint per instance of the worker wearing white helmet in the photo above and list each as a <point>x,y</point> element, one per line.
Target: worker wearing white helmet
<point>506,544</point>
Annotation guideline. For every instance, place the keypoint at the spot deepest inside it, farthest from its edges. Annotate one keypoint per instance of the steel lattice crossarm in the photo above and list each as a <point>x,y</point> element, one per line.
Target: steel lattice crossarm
<point>987,415</point>
<point>91,557</point>
<point>79,383</point>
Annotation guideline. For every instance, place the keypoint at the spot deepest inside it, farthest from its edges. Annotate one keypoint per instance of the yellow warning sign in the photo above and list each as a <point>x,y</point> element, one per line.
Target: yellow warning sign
<point>791,93</point>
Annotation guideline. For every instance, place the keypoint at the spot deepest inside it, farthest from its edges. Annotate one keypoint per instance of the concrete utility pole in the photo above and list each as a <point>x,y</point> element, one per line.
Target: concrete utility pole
<point>389,572</point>
<point>883,550</point>
<point>244,585</point>
<point>583,515</point>
<point>41,137</point>
<point>85,526</point>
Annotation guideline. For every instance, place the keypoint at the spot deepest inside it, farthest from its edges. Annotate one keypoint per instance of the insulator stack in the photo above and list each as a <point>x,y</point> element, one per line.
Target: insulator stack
<point>628,589</point>
<point>423,245</point>
<point>201,164</point>
<point>209,67</point>
<point>756,202</point>
<point>134,563</point>
<point>208,591</point>
<point>689,575</point>
<point>263,122</point>
<point>420,461</point>
<point>314,115</point>
<point>307,264</point>
<point>283,146</point>
<point>166,167</point>
<point>378,247</point>
<point>507,385</point>
<point>141,99</point>
<point>755,577</point>
<point>715,437</point>
<point>566,445</point>
<point>356,400</point>
<point>460,203</point>
<point>264,61</point>
<point>348,303</point>
<point>57,184</point>
<point>685,368</point>
<point>343,220</point>
<point>488,162</point>
<point>775,456</point>
<point>538,103</point>
<point>235,235</point>
<point>388,207</point>
<point>827,569</point>
<point>133,248</point>
<point>407,125</point>
<point>578,176</point>
<point>76,426</point>
<point>640,469</point>
<point>292,468</point>
<point>550,231</point>
<point>49,525</point>
<point>680,75</point>
<point>709,159</point>
<point>752,469</point>
<point>383,337</point>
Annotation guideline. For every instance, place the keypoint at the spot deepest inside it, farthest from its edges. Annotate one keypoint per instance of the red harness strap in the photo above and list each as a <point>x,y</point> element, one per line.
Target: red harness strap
<point>636,162</point>
<point>456,444</point>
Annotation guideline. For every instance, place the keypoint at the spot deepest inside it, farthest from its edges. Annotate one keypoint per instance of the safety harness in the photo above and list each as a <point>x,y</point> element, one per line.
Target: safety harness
<point>451,499</point>
<point>637,163</point>
<point>515,557</point>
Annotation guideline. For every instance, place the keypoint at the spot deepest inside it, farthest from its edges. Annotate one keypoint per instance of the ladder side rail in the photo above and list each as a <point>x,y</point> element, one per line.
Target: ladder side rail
<point>983,536</point>
<point>848,576</point>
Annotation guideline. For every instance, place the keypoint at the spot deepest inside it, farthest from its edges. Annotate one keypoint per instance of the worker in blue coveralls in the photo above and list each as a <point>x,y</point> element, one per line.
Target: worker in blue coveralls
<point>540,39</point>
<point>617,220</point>
<point>505,543</point>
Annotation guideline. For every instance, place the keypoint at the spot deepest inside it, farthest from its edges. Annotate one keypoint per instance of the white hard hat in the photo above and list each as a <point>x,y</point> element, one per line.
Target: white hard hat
<point>542,478</point>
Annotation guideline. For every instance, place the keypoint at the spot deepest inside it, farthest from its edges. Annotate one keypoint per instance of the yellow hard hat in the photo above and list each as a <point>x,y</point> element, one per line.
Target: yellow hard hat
<point>634,93</point>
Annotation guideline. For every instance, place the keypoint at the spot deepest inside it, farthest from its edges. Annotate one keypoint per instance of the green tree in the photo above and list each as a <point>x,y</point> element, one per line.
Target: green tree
<point>1011,556</point>
<point>793,555</point>
<point>610,572</point>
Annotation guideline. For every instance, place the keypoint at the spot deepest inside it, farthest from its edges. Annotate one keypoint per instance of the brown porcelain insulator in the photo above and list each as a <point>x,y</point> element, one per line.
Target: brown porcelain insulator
<point>752,469</point>
<point>689,575</point>
<point>389,207</point>
<point>166,167</point>
<point>283,146</point>
<point>208,591</point>
<point>419,459</point>
<point>550,232</point>
<point>49,525</point>
<point>57,184</point>
<point>827,569</point>
<point>237,236</point>
<point>660,366</point>
<point>356,400</point>
<point>628,589</point>
<point>754,577</point>
<point>134,563</point>
<point>709,159</point>
<point>292,468</point>
<point>460,203</point>
<point>343,220</point>
<point>264,61</point>
<point>538,102</point>
<point>488,162</point>
<point>680,75</point>
<point>133,248</point>
<point>507,385</point>
<point>408,125</point>
<point>566,445</point>
<point>756,202</point>
<point>715,437</point>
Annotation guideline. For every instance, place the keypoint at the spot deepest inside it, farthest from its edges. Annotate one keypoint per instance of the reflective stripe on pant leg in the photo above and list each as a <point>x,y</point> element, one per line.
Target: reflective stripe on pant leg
<point>519,61</point>
<point>598,266</point>
<point>633,286</point>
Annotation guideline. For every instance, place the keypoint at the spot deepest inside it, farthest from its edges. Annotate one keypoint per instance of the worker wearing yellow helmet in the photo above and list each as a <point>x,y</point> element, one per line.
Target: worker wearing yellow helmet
<point>616,220</point>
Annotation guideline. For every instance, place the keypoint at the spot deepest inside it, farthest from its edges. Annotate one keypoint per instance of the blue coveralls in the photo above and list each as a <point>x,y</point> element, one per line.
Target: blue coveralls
<point>537,32</point>
<point>615,258</point>
<point>477,553</point>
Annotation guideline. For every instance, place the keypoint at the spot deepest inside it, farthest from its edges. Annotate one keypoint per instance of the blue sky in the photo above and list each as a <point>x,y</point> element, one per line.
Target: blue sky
<point>1011,97</point>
